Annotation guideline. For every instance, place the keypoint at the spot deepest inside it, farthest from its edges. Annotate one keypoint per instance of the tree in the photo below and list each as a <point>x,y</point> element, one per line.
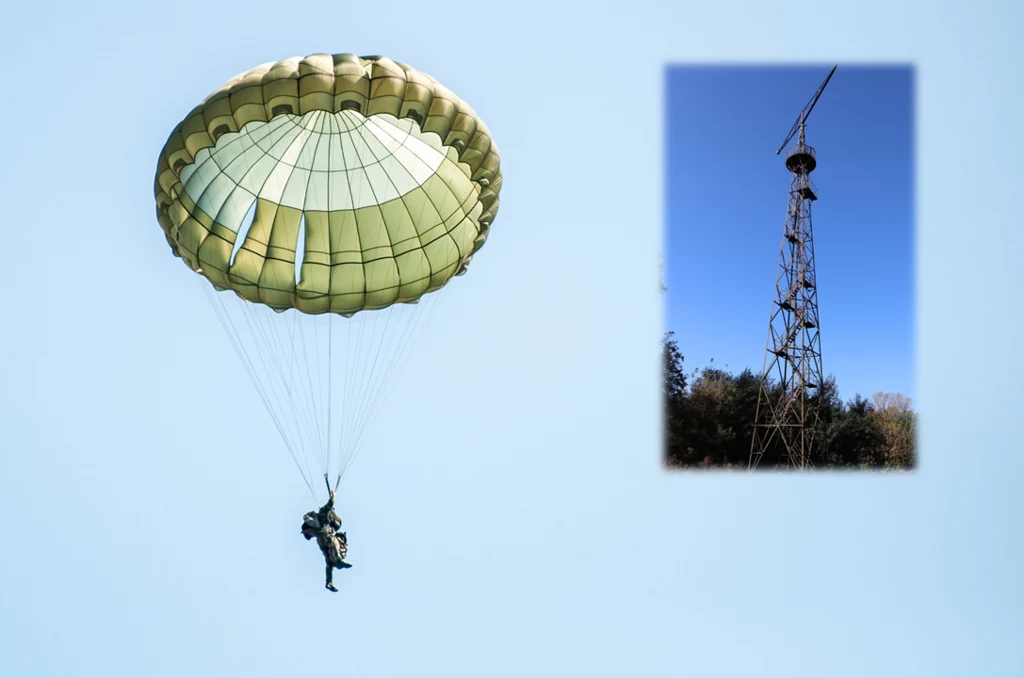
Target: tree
<point>896,422</point>
<point>709,420</point>
<point>672,364</point>
<point>830,410</point>
<point>855,438</point>
<point>674,392</point>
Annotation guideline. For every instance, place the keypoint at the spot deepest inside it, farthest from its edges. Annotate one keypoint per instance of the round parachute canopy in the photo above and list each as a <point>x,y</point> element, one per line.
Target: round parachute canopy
<point>307,191</point>
<point>384,180</point>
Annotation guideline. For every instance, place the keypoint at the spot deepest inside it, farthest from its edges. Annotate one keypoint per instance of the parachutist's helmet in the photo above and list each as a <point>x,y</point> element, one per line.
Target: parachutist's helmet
<point>307,531</point>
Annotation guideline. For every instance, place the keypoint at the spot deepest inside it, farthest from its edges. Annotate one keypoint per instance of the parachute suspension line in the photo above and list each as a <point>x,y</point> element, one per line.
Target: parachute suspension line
<point>347,396</point>
<point>222,316</point>
<point>417,324</point>
<point>372,400</point>
<point>368,374</point>
<point>371,377</point>
<point>328,402</point>
<point>344,390</point>
<point>267,350</point>
<point>270,350</point>
<point>315,394</point>
<point>257,317</point>
<point>292,370</point>
<point>273,398</point>
<point>379,393</point>
<point>351,377</point>
<point>330,389</point>
<point>356,366</point>
<point>312,408</point>
<point>308,407</point>
<point>319,400</point>
<point>418,330</point>
<point>310,396</point>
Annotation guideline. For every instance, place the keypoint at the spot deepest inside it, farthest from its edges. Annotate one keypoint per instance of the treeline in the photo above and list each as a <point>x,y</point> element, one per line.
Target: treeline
<point>709,421</point>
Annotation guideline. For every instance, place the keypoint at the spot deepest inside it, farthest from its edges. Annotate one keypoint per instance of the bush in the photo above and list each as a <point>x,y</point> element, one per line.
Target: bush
<point>709,421</point>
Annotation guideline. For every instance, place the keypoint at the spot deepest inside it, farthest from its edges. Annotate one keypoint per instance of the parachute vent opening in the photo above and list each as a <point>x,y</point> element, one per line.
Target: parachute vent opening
<point>281,109</point>
<point>178,165</point>
<point>243,230</point>
<point>220,131</point>
<point>351,105</point>
<point>300,250</point>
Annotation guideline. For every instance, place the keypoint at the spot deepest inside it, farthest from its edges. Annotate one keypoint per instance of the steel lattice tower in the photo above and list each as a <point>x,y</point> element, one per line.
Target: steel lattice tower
<point>787,417</point>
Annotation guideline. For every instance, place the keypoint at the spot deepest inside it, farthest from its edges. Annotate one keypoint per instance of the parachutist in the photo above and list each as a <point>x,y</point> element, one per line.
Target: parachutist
<point>324,525</point>
<point>361,192</point>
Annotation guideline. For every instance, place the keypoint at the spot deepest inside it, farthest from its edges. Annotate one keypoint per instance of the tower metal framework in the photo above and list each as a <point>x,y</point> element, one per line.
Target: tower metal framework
<point>787,413</point>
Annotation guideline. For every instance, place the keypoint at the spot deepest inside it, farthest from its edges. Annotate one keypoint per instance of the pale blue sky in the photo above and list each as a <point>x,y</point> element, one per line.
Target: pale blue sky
<point>520,524</point>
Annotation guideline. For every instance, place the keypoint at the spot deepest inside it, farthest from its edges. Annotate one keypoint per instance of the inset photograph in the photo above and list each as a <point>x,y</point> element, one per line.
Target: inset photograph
<point>788,268</point>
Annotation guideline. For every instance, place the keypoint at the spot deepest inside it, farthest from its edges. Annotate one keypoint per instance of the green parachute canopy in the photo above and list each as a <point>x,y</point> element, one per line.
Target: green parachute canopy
<point>320,187</point>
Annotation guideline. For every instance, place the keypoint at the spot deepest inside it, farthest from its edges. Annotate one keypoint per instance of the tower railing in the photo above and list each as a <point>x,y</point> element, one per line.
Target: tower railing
<point>801,149</point>
<point>805,187</point>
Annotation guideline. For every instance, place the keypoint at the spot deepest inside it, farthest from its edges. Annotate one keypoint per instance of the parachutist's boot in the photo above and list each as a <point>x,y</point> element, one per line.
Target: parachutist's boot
<point>331,587</point>
<point>342,565</point>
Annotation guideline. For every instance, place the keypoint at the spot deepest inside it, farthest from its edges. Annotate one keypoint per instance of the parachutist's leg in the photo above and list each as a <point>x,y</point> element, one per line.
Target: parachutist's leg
<point>338,548</point>
<point>330,578</point>
<point>342,552</point>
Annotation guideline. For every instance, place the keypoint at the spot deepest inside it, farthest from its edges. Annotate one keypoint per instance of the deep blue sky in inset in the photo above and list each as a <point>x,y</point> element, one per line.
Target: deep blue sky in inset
<point>726,194</point>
